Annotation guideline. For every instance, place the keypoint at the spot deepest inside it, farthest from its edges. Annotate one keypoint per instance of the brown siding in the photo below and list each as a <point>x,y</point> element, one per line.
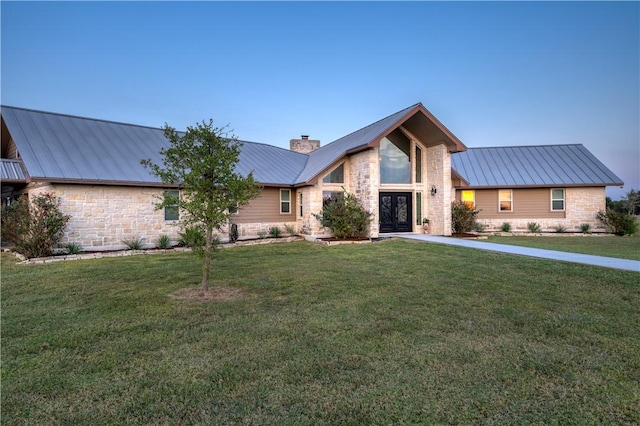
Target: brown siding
<point>528,203</point>
<point>266,208</point>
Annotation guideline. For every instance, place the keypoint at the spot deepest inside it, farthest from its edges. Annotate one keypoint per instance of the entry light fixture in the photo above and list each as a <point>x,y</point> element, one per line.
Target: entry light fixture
<point>434,191</point>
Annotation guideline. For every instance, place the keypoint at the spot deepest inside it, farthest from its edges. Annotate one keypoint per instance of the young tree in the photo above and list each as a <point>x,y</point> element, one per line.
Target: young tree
<point>203,161</point>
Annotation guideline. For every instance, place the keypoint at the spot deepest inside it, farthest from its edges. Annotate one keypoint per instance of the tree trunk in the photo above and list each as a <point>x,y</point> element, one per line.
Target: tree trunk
<point>206,263</point>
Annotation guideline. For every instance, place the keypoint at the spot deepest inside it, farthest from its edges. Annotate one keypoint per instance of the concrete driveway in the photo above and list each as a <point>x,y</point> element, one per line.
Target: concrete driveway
<point>586,259</point>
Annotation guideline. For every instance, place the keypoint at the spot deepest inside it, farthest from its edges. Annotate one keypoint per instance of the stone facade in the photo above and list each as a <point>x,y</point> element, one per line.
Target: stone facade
<point>439,179</point>
<point>103,216</point>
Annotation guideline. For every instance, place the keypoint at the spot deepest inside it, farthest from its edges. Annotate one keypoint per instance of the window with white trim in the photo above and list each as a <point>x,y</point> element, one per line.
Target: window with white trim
<point>285,201</point>
<point>468,196</point>
<point>557,199</point>
<point>171,211</point>
<point>505,200</point>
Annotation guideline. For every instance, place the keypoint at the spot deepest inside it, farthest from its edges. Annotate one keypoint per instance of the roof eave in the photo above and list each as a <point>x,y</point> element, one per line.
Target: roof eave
<point>553,185</point>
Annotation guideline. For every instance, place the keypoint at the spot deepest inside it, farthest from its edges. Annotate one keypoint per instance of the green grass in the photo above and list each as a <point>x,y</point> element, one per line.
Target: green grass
<point>610,246</point>
<point>386,333</point>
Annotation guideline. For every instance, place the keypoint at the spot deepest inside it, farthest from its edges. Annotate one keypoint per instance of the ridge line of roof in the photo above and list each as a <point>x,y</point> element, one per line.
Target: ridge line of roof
<point>522,146</point>
<point>369,125</point>
<point>81,117</point>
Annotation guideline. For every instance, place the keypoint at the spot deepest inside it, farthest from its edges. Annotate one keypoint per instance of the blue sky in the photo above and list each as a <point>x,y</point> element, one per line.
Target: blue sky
<point>495,73</point>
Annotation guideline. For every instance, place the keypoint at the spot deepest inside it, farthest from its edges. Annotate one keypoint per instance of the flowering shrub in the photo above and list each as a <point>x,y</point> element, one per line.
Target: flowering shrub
<point>34,227</point>
<point>345,216</point>
<point>463,217</point>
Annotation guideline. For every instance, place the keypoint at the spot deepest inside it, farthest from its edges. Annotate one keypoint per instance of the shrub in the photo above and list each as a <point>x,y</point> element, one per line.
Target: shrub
<point>134,243</point>
<point>275,232</point>
<point>192,236</point>
<point>233,233</point>
<point>164,242</point>
<point>506,227</point>
<point>534,227</point>
<point>585,228</point>
<point>262,235</point>
<point>290,229</point>
<point>463,217</point>
<point>618,223</point>
<point>560,229</point>
<point>73,248</point>
<point>35,227</point>
<point>344,216</point>
<point>479,227</point>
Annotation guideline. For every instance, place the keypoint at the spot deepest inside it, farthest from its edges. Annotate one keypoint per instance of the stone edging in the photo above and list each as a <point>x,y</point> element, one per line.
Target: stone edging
<point>124,253</point>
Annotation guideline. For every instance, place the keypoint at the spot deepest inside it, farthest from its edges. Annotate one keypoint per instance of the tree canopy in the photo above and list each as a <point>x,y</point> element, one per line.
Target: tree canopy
<point>202,162</point>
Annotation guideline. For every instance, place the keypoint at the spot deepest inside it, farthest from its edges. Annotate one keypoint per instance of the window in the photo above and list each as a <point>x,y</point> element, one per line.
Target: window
<point>505,203</point>
<point>419,208</point>
<point>418,165</point>
<point>329,196</point>
<point>395,161</point>
<point>171,212</point>
<point>300,204</point>
<point>469,198</point>
<point>557,199</point>
<point>336,175</point>
<point>285,201</point>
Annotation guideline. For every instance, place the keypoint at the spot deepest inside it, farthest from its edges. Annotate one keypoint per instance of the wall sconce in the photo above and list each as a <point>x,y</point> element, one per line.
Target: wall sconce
<point>434,191</point>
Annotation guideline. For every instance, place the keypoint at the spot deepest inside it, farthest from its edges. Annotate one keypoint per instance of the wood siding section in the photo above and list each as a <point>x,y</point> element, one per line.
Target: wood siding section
<point>533,203</point>
<point>266,208</point>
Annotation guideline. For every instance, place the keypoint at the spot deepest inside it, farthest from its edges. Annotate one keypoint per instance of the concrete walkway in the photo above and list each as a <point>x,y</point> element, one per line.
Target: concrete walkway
<point>587,259</point>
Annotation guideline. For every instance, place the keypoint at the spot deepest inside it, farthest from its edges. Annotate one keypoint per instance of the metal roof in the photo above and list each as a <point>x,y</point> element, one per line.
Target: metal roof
<point>61,147</point>
<point>543,165</point>
<point>12,171</point>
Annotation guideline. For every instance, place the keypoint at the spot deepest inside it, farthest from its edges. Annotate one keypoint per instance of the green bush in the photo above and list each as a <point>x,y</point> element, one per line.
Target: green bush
<point>534,227</point>
<point>262,235</point>
<point>134,243</point>
<point>585,228</point>
<point>618,223</point>
<point>275,232</point>
<point>506,227</point>
<point>73,248</point>
<point>164,242</point>
<point>560,229</point>
<point>35,227</point>
<point>345,216</point>
<point>290,229</point>
<point>192,236</point>
<point>463,217</point>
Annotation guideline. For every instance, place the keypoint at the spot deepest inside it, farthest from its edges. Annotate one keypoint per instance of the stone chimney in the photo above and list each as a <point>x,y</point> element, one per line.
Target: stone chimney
<point>304,145</point>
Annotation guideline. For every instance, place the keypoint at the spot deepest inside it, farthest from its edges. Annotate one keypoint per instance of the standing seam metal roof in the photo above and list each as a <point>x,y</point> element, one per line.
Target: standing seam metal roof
<point>12,171</point>
<point>542,165</point>
<point>63,147</point>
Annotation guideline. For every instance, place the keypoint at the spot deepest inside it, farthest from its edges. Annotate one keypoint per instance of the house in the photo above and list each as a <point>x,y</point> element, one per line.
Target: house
<point>402,168</point>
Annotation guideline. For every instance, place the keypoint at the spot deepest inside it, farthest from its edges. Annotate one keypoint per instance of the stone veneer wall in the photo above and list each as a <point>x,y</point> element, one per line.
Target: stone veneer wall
<point>581,206</point>
<point>104,216</point>
<point>438,207</point>
<point>364,178</point>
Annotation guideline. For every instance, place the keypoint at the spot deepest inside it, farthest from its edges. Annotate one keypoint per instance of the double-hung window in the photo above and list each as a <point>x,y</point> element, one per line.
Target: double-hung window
<point>505,200</point>
<point>285,201</point>
<point>557,199</point>
<point>171,211</point>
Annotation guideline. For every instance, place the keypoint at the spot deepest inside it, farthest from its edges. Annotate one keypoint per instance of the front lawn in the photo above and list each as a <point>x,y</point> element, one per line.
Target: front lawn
<point>395,332</point>
<point>610,246</point>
